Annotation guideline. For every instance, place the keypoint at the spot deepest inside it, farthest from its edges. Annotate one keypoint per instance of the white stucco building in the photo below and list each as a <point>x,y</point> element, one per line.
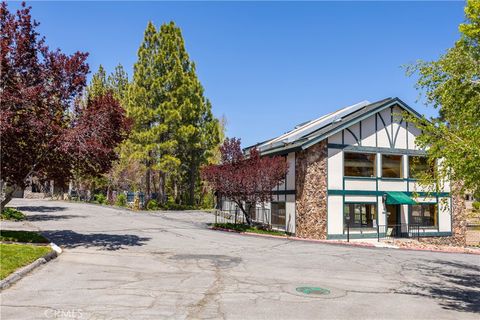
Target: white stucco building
<point>355,170</point>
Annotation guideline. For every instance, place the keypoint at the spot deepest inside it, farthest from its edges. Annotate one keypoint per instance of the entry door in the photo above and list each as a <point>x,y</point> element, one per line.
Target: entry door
<point>392,214</point>
<point>393,220</point>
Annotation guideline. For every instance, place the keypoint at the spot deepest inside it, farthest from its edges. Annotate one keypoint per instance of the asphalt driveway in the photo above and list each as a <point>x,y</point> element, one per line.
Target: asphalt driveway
<point>123,265</point>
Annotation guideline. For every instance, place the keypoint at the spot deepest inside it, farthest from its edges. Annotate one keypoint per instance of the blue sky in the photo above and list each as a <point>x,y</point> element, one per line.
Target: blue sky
<point>268,66</point>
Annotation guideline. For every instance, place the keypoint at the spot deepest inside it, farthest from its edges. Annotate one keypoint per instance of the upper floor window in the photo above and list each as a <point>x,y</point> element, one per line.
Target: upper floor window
<point>419,165</point>
<point>359,164</point>
<point>392,166</point>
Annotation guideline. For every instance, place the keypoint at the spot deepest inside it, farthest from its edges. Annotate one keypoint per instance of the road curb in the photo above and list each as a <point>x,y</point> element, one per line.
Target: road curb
<point>23,271</point>
<point>343,243</point>
<point>333,242</point>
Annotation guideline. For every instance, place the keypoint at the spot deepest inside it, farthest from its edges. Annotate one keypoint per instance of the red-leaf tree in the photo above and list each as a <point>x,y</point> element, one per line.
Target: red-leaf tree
<point>245,180</point>
<point>38,121</point>
<point>97,128</point>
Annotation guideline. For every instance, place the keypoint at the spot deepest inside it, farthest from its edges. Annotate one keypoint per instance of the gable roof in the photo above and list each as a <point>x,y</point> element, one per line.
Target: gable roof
<point>309,133</point>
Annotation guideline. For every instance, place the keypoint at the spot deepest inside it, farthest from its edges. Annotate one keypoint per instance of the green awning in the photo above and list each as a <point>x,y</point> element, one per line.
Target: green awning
<point>395,197</point>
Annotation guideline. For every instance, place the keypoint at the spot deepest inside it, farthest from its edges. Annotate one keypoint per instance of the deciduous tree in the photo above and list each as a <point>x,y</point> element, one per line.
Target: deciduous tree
<point>42,132</point>
<point>452,85</point>
<point>245,180</point>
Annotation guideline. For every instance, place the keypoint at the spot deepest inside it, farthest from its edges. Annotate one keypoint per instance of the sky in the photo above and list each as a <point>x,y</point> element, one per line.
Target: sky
<point>268,66</point>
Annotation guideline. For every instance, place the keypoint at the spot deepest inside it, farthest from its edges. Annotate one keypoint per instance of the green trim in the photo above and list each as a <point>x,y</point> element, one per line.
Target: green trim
<point>360,178</point>
<point>393,179</point>
<point>396,197</point>
<point>381,150</point>
<point>368,235</point>
<point>427,234</point>
<point>398,130</point>
<point>336,192</point>
<point>353,135</point>
<point>283,192</point>
<point>281,151</point>
<point>346,124</point>
<point>360,202</point>
<point>382,235</point>
<point>385,126</point>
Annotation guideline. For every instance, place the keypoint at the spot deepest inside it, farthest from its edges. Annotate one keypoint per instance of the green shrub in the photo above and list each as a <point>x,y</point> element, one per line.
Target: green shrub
<point>152,204</point>
<point>100,198</point>
<point>476,205</point>
<point>176,206</point>
<point>208,201</point>
<point>22,236</point>
<point>12,214</point>
<point>121,200</point>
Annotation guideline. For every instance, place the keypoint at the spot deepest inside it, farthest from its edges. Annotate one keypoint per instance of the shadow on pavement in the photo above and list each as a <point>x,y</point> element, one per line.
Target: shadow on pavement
<point>456,284</point>
<point>72,239</point>
<point>41,208</point>
<point>50,217</point>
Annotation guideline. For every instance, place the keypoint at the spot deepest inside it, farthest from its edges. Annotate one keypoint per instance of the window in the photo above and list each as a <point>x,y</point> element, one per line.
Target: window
<point>360,214</point>
<point>278,214</point>
<point>424,215</point>
<point>419,165</point>
<point>359,164</point>
<point>392,166</point>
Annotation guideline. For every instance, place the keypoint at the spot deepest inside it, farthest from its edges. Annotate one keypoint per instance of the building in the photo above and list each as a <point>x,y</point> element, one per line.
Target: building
<point>469,200</point>
<point>354,172</point>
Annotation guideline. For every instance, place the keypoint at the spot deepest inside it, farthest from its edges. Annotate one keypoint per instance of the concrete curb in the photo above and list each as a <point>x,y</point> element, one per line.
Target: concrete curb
<point>23,271</point>
<point>333,242</point>
<point>343,243</point>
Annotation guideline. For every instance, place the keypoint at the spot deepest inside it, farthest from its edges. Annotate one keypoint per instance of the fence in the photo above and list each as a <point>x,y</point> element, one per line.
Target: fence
<point>259,216</point>
<point>84,195</point>
<point>403,230</point>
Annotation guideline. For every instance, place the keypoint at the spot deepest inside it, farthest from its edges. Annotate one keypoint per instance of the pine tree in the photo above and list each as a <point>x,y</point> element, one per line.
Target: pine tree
<point>98,85</point>
<point>174,130</point>
<point>118,83</point>
<point>197,132</point>
<point>154,121</point>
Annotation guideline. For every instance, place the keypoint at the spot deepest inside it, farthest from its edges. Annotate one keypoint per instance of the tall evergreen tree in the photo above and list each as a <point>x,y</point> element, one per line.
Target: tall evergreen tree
<point>174,128</point>
<point>152,134</point>
<point>197,132</point>
<point>118,82</point>
<point>98,85</point>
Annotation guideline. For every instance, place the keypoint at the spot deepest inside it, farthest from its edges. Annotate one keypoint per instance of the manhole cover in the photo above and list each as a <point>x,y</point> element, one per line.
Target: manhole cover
<point>313,290</point>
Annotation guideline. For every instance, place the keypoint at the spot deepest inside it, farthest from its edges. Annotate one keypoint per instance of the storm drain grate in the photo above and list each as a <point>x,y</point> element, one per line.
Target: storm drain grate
<point>313,290</point>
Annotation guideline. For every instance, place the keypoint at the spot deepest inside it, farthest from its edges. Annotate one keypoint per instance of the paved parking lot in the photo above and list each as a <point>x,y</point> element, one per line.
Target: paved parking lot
<point>123,265</point>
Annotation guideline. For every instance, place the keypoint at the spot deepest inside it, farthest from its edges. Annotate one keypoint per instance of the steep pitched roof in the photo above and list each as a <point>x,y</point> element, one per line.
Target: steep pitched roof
<point>309,133</point>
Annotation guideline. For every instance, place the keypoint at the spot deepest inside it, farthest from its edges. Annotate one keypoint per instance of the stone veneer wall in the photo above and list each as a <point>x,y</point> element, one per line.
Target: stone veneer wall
<point>459,222</point>
<point>311,193</point>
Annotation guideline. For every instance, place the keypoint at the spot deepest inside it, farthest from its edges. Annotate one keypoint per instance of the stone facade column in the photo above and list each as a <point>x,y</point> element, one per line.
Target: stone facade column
<point>311,192</point>
<point>459,221</point>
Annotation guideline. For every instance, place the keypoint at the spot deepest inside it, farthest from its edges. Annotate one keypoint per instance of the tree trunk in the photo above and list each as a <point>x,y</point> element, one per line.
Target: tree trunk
<point>247,217</point>
<point>191,185</point>
<point>161,187</point>
<point>8,196</point>
<point>147,183</point>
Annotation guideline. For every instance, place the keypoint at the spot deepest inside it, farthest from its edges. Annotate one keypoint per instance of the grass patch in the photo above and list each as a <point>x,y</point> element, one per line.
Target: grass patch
<point>15,256</point>
<point>247,228</point>
<point>22,236</point>
<point>12,214</point>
